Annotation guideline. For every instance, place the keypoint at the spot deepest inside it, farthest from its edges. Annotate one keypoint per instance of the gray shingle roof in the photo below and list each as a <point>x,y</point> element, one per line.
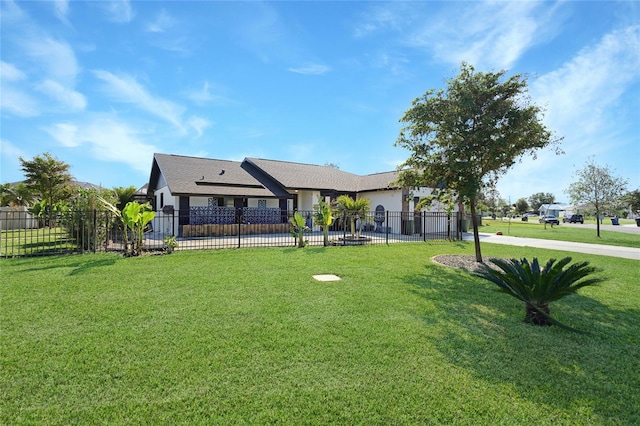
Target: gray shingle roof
<point>257,177</point>
<point>205,176</point>
<point>378,181</point>
<point>307,176</point>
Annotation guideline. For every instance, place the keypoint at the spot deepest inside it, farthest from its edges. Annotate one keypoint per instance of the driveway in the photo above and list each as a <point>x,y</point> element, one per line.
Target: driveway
<point>599,249</point>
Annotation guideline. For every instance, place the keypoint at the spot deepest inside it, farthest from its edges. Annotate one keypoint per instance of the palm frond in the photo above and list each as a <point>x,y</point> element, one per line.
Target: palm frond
<point>538,286</point>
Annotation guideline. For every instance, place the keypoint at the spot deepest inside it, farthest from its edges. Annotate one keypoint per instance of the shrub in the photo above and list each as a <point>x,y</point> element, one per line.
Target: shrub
<point>537,287</point>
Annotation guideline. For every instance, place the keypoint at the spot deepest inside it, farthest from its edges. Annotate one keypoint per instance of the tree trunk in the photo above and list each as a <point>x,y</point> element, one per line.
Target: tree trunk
<point>325,230</point>
<point>476,237</point>
<point>534,317</point>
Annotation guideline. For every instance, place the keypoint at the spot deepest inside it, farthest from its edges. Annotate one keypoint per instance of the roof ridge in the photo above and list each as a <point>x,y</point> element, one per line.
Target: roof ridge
<point>197,158</point>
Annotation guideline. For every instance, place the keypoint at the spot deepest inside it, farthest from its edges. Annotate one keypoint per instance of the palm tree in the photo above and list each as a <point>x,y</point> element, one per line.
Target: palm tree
<point>124,195</point>
<point>298,228</point>
<point>353,209</point>
<point>537,287</point>
<point>323,217</point>
<point>17,195</point>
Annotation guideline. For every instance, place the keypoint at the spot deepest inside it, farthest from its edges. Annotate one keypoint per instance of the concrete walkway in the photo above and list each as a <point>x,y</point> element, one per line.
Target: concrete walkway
<point>600,249</point>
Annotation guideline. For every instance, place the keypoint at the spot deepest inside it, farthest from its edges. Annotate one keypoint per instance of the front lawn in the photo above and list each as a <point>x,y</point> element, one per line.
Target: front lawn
<point>248,337</point>
<point>33,242</point>
<point>562,232</point>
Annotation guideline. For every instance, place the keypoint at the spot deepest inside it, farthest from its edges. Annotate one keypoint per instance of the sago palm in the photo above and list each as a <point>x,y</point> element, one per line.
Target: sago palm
<point>537,287</point>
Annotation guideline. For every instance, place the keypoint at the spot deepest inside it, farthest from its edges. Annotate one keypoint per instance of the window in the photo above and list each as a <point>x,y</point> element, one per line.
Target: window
<point>262,204</point>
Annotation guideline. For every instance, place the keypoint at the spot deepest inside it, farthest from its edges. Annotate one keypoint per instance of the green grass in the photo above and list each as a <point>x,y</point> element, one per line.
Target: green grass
<point>35,241</point>
<point>248,337</point>
<point>564,232</point>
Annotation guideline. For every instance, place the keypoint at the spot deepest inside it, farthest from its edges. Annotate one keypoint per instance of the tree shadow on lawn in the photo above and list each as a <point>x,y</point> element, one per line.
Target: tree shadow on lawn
<point>484,332</point>
<point>79,263</point>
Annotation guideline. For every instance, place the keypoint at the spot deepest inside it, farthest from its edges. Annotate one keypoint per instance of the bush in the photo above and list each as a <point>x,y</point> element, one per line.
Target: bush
<point>537,287</point>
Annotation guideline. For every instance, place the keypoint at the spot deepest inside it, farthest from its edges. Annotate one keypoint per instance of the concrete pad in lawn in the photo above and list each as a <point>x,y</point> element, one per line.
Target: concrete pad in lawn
<point>326,277</point>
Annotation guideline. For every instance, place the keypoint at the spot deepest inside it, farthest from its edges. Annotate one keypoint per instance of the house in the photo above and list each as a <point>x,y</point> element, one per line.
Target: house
<point>211,191</point>
<point>551,209</point>
<point>16,218</point>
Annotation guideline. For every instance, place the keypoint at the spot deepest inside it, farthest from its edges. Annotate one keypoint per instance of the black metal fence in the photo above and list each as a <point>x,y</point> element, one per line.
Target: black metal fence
<point>99,231</point>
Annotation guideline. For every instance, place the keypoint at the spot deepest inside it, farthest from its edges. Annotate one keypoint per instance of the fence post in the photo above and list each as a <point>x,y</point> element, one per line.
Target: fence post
<point>95,229</point>
<point>344,228</point>
<point>239,220</point>
<point>386,227</point>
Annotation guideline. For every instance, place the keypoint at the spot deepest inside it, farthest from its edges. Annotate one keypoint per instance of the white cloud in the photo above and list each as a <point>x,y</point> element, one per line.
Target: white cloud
<point>126,89</point>
<point>8,72</point>
<point>208,93</point>
<point>10,12</point>
<point>583,101</point>
<point>10,151</point>
<point>162,23</point>
<point>56,57</point>
<point>380,17</point>
<point>10,161</point>
<point>61,10</point>
<point>17,102</point>
<point>109,140</point>
<point>118,11</point>
<point>65,96</point>
<point>487,34</point>
<point>310,69</point>
<point>65,133</point>
<point>579,93</point>
<point>199,124</point>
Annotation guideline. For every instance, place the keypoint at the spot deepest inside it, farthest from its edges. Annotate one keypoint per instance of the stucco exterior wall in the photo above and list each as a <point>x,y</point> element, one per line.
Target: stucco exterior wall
<point>307,199</point>
<point>165,223</point>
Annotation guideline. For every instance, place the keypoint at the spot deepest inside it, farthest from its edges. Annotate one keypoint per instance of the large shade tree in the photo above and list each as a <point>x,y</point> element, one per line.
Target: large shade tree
<point>597,186</point>
<point>48,178</point>
<point>522,206</point>
<point>631,200</point>
<point>464,137</point>
<point>539,198</point>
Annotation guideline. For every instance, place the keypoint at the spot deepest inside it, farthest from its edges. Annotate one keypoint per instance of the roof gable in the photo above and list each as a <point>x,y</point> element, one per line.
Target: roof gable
<point>196,175</point>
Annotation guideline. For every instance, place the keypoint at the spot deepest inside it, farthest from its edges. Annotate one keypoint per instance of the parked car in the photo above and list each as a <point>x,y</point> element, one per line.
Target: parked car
<point>549,218</point>
<point>574,218</point>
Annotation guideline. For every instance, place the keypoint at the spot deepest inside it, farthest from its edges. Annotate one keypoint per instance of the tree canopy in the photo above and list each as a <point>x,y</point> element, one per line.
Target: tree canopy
<point>539,198</point>
<point>465,136</point>
<point>16,195</point>
<point>632,201</point>
<point>598,187</point>
<point>48,177</point>
<point>522,206</point>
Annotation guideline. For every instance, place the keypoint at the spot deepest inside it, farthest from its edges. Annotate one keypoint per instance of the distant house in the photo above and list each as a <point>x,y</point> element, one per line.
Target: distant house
<point>552,209</point>
<point>194,186</point>
<point>16,218</point>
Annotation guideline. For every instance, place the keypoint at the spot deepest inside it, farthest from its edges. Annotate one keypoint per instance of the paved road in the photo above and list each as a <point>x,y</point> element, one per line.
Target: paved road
<point>627,229</point>
<point>601,249</point>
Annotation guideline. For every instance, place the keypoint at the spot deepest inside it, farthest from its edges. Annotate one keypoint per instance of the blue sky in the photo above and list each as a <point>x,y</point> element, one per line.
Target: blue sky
<point>104,85</point>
